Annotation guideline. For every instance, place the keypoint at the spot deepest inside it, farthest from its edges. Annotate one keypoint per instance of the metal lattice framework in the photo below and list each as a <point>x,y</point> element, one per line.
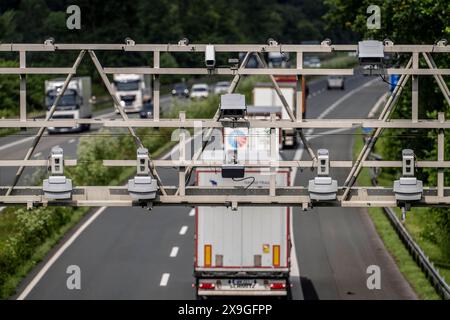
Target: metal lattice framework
<point>348,195</point>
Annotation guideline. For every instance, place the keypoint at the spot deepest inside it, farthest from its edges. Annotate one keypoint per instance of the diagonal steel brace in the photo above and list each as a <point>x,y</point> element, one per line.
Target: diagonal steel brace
<point>41,130</point>
<point>368,146</point>
<point>438,77</point>
<point>122,112</point>
<point>287,108</point>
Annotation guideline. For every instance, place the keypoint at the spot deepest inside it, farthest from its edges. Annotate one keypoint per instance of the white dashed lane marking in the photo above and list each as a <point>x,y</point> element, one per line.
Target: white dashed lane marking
<point>164,279</point>
<point>174,252</point>
<point>192,213</point>
<point>71,140</point>
<point>183,230</point>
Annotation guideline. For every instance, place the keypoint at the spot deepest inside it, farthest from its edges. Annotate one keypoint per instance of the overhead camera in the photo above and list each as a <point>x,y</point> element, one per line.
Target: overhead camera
<point>326,42</point>
<point>388,42</point>
<point>49,41</point>
<point>232,105</point>
<point>57,186</point>
<point>233,171</point>
<point>442,43</point>
<point>142,186</point>
<point>210,56</point>
<point>129,41</point>
<point>408,188</point>
<point>323,187</point>
<point>370,52</point>
<point>271,42</point>
<point>183,42</point>
<point>234,63</point>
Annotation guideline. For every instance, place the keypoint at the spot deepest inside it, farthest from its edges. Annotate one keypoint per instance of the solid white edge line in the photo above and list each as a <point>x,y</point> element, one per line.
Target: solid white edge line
<point>164,279</point>
<point>174,252</point>
<point>183,230</point>
<point>58,253</point>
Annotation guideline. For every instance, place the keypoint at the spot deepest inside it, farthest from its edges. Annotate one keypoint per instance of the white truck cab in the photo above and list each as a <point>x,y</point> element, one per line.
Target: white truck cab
<point>74,104</point>
<point>132,90</point>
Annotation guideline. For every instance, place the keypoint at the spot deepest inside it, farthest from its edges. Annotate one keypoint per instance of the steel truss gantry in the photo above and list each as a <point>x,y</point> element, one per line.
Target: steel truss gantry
<point>348,195</point>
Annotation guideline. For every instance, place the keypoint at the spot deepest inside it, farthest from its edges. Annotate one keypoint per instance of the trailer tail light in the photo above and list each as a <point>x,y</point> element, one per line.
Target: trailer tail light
<point>277,286</point>
<point>276,256</point>
<point>208,255</point>
<point>206,286</point>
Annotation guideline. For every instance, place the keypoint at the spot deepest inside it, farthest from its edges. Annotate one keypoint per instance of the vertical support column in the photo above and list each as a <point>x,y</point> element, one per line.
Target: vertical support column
<point>415,88</point>
<point>23,87</point>
<point>273,157</point>
<point>440,157</point>
<point>156,84</point>
<point>300,89</point>
<point>182,157</point>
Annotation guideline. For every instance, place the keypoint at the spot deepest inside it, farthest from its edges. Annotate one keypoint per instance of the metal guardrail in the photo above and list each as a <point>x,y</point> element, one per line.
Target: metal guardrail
<point>432,274</point>
<point>414,249</point>
<point>419,256</point>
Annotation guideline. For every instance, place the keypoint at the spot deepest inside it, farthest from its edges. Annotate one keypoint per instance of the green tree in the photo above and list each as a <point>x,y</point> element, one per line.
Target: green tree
<point>412,22</point>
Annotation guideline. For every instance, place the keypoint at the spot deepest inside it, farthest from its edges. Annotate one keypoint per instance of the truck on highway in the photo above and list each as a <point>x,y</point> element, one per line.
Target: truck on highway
<point>76,102</point>
<point>132,90</point>
<point>245,252</point>
<point>265,95</point>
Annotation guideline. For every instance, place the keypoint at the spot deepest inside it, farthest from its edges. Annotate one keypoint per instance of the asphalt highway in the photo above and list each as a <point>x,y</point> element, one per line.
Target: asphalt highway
<point>133,253</point>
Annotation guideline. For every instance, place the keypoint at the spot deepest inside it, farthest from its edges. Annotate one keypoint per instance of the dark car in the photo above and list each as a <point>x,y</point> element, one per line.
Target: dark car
<point>147,110</point>
<point>180,90</point>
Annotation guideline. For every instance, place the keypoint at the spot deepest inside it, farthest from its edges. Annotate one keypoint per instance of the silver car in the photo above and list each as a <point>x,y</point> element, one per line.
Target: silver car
<point>221,87</point>
<point>335,82</point>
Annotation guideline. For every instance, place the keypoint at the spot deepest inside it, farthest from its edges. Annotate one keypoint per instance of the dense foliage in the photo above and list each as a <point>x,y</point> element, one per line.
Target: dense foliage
<point>155,21</point>
<point>412,22</point>
<point>163,21</point>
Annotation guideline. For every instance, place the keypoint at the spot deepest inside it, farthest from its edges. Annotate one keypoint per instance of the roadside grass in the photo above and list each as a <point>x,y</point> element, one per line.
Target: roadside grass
<point>406,264</point>
<point>416,219</point>
<point>8,132</point>
<point>10,284</point>
<point>103,104</point>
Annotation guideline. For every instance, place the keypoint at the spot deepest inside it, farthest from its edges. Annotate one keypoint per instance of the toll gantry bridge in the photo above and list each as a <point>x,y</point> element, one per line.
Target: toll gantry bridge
<point>147,189</point>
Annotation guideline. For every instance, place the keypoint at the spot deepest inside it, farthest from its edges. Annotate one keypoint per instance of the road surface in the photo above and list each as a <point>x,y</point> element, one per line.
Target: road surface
<point>132,253</point>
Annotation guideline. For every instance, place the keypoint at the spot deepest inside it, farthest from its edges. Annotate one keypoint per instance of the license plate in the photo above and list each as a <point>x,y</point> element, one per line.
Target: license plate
<point>243,283</point>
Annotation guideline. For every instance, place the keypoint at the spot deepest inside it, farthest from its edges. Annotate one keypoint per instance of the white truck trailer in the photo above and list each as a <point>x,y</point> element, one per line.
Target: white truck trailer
<point>264,95</point>
<point>244,252</point>
<point>132,90</point>
<point>74,104</point>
